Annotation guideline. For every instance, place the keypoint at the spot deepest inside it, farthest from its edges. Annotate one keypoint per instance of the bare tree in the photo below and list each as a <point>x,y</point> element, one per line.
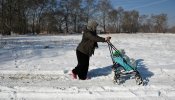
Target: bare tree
<point>130,21</point>
<point>104,8</point>
<point>59,19</point>
<point>65,7</point>
<point>113,19</point>
<point>145,24</point>
<point>36,10</point>
<point>134,21</point>
<point>7,9</point>
<point>75,13</point>
<point>55,16</point>
<point>120,11</point>
<point>160,23</point>
<point>172,29</point>
<point>2,17</point>
<point>142,22</point>
<point>90,9</point>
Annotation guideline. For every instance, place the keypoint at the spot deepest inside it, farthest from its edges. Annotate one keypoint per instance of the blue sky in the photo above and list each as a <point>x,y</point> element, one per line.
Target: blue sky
<point>149,7</point>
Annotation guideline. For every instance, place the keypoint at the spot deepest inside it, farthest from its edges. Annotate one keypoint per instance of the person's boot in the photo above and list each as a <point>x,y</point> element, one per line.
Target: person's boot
<point>74,76</point>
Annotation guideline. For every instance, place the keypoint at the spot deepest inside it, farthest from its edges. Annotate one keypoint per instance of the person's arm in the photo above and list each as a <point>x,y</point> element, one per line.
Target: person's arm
<point>95,38</point>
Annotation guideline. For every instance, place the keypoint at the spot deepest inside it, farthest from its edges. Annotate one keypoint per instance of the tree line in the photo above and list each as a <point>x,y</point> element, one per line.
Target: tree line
<point>71,16</point>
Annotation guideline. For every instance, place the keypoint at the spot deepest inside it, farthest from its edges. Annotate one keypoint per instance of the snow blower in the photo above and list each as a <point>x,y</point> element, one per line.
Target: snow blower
<point>123,65</point>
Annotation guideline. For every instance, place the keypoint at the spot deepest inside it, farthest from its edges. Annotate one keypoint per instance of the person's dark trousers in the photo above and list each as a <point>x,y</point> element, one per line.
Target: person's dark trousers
<point>83,64</point>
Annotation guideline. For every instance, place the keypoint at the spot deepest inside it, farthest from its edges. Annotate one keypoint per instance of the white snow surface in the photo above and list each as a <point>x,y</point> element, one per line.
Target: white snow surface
<point>39,67</point>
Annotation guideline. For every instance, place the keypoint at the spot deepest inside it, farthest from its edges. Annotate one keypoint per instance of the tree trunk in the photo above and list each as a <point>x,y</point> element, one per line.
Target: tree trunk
<point>33,25</point>
<point>66,19</point>
<point>2,17</point>
<point>75,24</point>
<point>104,23</point>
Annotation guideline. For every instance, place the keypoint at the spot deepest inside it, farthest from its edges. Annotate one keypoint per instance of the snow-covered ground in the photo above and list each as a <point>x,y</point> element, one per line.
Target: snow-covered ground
<point>38,68</point>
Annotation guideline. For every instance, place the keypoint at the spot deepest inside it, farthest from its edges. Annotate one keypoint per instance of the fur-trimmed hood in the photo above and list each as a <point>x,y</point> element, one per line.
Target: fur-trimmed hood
<point>92,25</point>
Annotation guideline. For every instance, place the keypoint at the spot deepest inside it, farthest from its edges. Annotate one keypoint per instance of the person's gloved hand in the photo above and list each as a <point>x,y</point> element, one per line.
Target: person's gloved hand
<point>107,38</point>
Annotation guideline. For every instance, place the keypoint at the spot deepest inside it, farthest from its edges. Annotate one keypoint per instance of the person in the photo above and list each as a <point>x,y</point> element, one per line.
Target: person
<point>86,48</point>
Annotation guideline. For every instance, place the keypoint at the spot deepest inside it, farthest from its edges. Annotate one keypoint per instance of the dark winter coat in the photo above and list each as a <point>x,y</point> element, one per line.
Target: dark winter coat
<point>89,42</point>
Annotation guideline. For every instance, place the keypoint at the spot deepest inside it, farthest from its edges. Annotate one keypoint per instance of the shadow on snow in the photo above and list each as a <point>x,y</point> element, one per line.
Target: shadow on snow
<point>105,71</point>
<point>141,67</point>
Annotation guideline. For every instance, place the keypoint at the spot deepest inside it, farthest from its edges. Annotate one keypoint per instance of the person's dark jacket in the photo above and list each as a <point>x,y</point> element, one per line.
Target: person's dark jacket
<point>89,42</point>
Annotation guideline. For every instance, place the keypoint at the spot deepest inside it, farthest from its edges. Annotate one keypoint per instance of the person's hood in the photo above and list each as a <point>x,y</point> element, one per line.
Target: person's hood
<point>92,25</point>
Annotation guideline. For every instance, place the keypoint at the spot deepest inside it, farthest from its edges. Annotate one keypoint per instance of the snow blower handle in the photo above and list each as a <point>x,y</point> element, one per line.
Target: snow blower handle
<point>107,39</point>
<point>112,47</point>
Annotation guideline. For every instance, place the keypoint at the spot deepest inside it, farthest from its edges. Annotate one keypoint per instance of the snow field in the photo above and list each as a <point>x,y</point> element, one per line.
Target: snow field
<point>38,68</point>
